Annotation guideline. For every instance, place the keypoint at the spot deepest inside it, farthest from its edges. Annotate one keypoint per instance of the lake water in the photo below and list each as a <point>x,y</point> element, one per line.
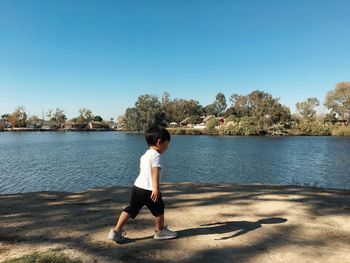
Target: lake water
<point>74,161</point>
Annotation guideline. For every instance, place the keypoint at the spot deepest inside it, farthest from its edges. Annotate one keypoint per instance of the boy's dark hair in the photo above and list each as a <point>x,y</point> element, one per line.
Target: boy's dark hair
<point>154,133</point>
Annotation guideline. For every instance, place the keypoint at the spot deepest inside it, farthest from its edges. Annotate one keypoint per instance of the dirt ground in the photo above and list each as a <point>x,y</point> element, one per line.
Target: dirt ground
<point>215,223</point>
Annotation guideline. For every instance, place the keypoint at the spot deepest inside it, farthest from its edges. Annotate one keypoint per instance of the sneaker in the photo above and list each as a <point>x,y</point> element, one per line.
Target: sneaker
<point>165,233</point>
<point>116,236</point>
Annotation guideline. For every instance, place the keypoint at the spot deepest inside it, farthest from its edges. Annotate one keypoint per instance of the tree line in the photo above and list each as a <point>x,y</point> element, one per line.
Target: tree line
<point>254,113</point>
<point>19,118</point>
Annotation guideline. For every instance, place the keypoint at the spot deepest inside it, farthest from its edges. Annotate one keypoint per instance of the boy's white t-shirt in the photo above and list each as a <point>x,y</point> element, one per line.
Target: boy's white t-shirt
<point>150,159</point>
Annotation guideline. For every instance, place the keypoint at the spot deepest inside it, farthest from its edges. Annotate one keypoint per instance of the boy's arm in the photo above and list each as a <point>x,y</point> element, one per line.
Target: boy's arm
<point>155,179</point>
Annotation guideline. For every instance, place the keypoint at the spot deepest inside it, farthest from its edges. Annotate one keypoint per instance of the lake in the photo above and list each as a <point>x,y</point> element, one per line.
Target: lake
<point>75,161</point>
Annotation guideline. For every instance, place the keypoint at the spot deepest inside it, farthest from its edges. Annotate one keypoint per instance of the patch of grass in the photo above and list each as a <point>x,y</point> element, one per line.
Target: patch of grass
<point>53,256</point>
<point>295,182</point>
<point>185,131</point>
<point>340,131</point>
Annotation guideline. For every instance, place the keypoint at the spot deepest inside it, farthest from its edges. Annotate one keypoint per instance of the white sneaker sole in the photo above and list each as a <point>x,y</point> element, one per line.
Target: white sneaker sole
<point>164,238</point>
<point>116,240</point>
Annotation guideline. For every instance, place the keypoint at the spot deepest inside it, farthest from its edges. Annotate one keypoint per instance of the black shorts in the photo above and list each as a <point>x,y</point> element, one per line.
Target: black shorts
<point>141,197</point>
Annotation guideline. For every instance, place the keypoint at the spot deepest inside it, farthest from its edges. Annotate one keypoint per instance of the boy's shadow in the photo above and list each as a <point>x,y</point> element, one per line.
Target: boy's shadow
<point>242,227</point>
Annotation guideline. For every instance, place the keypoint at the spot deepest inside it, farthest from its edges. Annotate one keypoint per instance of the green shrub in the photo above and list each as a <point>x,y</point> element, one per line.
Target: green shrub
<point>231,128</point>
<point>185,131</point>
<point>312,128</point>
<point>277,130</point>
<point>193,131</point>
<point>231,118</point>
<point>248,126</point>
<point>210,128</point>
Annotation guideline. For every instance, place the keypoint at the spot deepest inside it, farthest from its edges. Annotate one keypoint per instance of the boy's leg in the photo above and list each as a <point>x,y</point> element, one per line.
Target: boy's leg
<point>132,210</point>
<point>157,210</point>
<point>159,222</point>
<point>123,218</point>
<point>117,234</point>
<point>162,232</point>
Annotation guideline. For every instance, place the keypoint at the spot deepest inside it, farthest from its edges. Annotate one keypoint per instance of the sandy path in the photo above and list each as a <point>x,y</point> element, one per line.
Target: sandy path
<point>216,223</point>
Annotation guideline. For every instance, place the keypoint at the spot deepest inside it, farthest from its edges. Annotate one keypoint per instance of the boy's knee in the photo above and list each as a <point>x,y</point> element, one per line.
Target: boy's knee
<point>158,214</point>
<point>132,212</point>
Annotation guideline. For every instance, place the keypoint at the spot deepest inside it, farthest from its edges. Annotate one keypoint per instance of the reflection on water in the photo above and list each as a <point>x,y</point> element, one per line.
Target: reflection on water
<point>76,161</point>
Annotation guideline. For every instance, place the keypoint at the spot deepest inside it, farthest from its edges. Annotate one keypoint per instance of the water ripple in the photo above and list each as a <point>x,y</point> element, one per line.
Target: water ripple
<point>77,161</point>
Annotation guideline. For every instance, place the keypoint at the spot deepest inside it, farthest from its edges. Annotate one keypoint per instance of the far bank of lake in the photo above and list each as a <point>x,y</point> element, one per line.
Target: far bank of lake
<point>224,130</point>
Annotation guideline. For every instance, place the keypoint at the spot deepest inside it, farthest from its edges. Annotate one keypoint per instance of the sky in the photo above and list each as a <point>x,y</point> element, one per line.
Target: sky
<point>102,55</point>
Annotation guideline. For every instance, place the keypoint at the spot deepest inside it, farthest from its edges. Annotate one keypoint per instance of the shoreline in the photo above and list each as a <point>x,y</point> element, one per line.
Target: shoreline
<point>199,133</point>
<point>197,184</point>
<point>220,222</point>
<point>43,130</point>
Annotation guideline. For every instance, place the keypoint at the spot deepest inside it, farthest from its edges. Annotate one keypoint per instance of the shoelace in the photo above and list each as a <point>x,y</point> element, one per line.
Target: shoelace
<point>165,229</point>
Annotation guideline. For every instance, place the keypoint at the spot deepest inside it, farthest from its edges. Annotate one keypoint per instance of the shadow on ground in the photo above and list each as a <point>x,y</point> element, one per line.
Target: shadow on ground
<point>228,227</point>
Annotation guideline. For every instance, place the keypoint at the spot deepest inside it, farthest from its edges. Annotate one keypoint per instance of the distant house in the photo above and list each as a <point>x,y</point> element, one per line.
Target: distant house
<point>34,125</point>
<point>31,126</point>
<point>72,126</point>
<point>80,126</point>
<point>173,124</point>
<point>96,125</point>
<point>200,126</point>
<point>208,118</point>
<point>68,125</point>
<point>342,122</point>
<point>186,123</point>
<point>113,125</point>
<point>49,125</point>
<point>5,124</point>
<point>221,120</point>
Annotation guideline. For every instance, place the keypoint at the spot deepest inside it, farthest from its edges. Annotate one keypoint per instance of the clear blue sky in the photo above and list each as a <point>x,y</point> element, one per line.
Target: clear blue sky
<point>104,54</point>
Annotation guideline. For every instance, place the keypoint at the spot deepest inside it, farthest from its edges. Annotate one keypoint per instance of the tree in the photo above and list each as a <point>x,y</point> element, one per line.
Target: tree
<point>210,109</point>
<point>121,121</point>
<point>217,108</point>
<point>57,116</point>
<point>330,118</point>
<point>187,108</point>
<point>49,114</point>
<point>132,119</point>
<point>150,112</point>
<point>179,109</point>
<point>338,100</point>
<point>220,104</point>
<point>6,117</point>
<point>99,118</point>
<point>307,109</point>
<point>18,117</point>
<point>85,115</point>
<point>167,107</point>
<point>263,109</point>
<point>147,111</point>
<point>239,105</point>
<point>33,119</point>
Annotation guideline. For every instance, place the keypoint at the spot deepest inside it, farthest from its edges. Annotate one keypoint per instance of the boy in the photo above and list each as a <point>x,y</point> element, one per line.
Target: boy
<point>146,187</point>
